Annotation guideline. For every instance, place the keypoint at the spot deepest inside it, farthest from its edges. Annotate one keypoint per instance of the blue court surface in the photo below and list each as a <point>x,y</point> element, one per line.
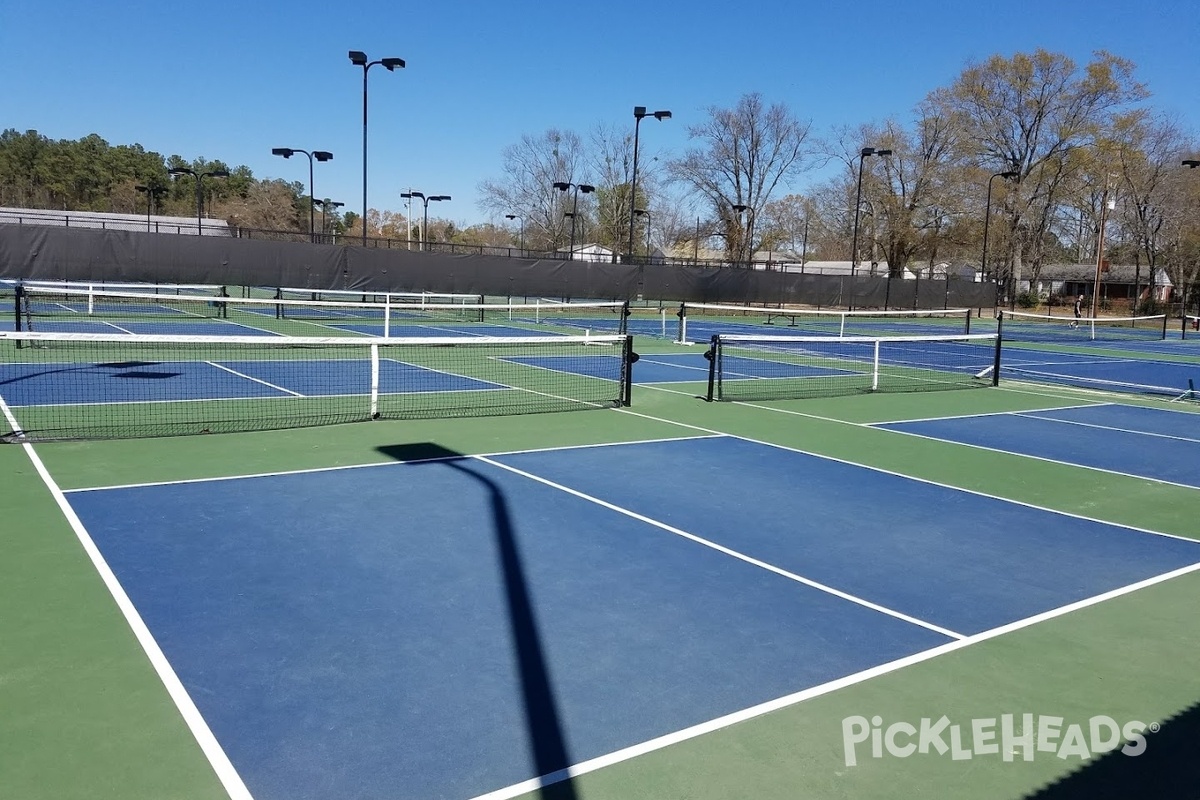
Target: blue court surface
<point>439,329</point>
<point>650,368</point>
<point>200,327</point>
<point>153,381</point>
<point>1141,375</point>
<point>453,626</point>
<point>1131,440</point>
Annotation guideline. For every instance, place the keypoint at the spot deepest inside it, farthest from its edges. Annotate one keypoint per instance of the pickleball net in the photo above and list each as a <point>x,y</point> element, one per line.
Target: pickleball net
<point>699,321</point>
<point>76,310</point>
<point>1021,326</point>
<point>747,367</point>
<point>104,386</point>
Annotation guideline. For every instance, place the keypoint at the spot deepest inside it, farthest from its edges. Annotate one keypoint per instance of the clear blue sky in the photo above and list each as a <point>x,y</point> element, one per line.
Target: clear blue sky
<point>229,81</point>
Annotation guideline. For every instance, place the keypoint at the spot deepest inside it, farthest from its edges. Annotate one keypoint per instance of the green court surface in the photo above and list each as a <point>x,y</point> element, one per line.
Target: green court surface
<point>86,715</point>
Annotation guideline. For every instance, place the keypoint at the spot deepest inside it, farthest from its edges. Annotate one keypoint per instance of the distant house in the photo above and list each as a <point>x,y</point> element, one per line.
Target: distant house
<point>1117,282</point>
<point>188,226</point>
<point>587,252</point>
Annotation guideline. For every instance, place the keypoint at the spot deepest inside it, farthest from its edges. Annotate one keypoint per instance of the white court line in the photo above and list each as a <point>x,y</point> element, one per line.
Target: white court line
<point>1044,459</point>
<point>209,745</point>
<point>726,550</point>
<point>269,385</point>
<point>883,471</point>
<point>720,723</point>
<point>1030,415</point>
<point>982,414</point>
<point>388,463</point>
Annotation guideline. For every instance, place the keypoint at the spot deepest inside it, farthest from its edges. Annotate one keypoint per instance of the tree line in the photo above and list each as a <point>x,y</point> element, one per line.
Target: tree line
<point>1038,149</point>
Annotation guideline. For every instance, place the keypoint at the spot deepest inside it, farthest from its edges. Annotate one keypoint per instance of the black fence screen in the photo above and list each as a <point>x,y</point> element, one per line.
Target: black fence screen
<point>51,253</point>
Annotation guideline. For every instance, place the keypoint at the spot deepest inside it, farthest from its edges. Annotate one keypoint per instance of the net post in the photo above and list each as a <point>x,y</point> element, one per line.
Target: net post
<point>996,357</point>
<point>625,312</point>
<point>18,301</point>
<point>714,354</point>
<point>683,323</point>
<point>374,381</point>
<point>627,358</point>
<point>967,323</point>
<point>387,315</point>
<point>1164,325</point>
<point>91,299</point>
<point>875,368</point>
<point>279,306</point>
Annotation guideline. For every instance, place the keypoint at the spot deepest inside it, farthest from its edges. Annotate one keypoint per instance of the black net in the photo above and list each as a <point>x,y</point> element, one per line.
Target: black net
<point>700,322</point>
<point>786,367</point>
<point>1025,327</point>
<point>283,312</point>
<point>86,386</point>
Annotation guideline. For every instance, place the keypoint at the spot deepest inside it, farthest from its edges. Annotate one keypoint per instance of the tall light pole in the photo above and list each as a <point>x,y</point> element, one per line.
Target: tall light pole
<point>563,186</point>
<point>199,176</point>
<point>359,59</point>
<point>1106,204</point>
<point>646,213</point>
<point>319,155</point>
<point>425,201</point>
<point>326,205</point>
<point>521,239</point>
<point>987,214</point>
<point>866,151</point>
<point>638,113</point>
<point>151,192</point>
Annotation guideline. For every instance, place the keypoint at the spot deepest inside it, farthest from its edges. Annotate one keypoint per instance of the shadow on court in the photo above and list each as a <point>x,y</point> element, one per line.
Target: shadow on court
<point>546,737</point>
<point>1169,767</point>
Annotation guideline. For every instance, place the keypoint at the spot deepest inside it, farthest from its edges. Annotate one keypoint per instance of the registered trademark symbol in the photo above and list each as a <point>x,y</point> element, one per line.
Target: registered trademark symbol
<point>1154,726</point>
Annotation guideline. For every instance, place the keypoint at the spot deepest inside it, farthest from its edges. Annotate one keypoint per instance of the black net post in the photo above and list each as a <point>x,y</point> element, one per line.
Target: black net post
<point>21,294</point>
<point>627,359</point>
<point>999,340</point>
<point>1164,325</point>
<point>713,354</point>
<point>625,312</point>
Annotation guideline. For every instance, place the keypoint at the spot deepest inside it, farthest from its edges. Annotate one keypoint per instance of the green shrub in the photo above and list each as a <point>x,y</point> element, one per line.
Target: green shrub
<point>1027,299</point>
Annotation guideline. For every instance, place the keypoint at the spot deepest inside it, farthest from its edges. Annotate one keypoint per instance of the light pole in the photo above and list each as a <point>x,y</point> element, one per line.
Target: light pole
<point>563,186</point>
<point>866,151</point>
<point>199,176</point>
<point>521,239</point>
<point>425,201</point>
<point>638,113</point>
<point>319,155</point>
<point>644,212</point>
<point>987,214</point>
<point>326,205</point>
<point>151,193</point>
<point>359,59</point>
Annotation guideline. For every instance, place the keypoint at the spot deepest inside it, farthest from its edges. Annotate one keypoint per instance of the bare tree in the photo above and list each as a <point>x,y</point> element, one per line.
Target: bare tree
<point>531,167</point>
<point>744,154</point>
